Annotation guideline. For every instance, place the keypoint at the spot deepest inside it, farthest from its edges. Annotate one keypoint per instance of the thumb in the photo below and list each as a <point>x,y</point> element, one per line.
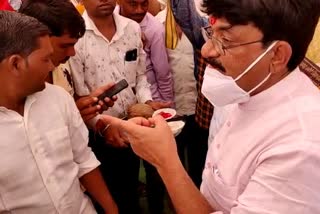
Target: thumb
<point>127,126</point>
<point>159,122</point>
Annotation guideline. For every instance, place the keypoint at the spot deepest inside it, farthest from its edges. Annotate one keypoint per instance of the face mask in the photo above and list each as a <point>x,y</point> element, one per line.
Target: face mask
<point>222,90</point>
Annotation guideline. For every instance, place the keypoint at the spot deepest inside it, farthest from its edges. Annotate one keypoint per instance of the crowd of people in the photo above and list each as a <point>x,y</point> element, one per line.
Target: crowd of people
<point>229,68</point>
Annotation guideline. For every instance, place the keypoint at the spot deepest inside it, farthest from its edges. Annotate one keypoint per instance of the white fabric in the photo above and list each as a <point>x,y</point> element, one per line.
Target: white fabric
<point>43,154</point>
<point>99,62</point>
<point>265,158</point>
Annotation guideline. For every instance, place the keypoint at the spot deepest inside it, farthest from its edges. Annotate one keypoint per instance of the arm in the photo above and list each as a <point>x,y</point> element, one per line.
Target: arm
<point>189,20</point>
<point>88,174</point>
<point>94,184</point>
<point>185,196</point>
<point>161,66</point>
<point>158,147</point>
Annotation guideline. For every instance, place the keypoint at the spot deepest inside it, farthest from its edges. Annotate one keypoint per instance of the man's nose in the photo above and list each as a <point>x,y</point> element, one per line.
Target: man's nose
<point>208,50</point>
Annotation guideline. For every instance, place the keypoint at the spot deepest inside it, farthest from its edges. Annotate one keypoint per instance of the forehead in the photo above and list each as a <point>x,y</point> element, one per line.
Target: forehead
<point>136,1</point>
<point>221,25</point>
<point>64,39</point>
<point>44,47</point>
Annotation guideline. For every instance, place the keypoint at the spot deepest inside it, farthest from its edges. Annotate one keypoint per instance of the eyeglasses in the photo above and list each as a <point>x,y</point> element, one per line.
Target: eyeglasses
<point>207,34</point>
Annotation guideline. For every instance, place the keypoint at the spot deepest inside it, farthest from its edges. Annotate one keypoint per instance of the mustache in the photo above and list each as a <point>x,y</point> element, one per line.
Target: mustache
<point>215,63</point>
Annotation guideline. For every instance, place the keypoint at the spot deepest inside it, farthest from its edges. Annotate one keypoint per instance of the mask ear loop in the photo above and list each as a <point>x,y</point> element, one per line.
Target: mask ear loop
<point>260,84</point>
<point>256,61</point>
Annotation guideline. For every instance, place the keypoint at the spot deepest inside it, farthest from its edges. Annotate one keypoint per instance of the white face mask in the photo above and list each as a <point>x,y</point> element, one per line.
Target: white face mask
<point>222,90</point>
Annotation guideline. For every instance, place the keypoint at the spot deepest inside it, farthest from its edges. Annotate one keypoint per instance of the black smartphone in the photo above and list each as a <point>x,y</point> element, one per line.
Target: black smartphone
<point>131,55</point>
<point>122,84</point>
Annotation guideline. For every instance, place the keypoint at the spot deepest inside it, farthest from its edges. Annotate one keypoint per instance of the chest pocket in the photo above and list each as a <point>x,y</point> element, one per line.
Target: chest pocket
<point>131,66</point>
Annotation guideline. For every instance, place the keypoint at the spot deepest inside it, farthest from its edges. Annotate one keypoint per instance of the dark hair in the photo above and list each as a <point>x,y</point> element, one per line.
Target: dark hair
<point>19,34</point>
<point>293,21</point>
<point>59,15</point>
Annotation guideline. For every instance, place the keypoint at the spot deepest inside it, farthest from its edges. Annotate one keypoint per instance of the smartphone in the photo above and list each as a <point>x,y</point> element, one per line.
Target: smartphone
<point>131,55</point>
<point>122,84</point>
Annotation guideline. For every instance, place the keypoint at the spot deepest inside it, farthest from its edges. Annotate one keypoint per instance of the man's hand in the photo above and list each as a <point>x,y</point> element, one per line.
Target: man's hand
<point>89,106</point>
<point>113,135</point>
<point>159,105</point>
<point>150,139</point>
<point>107,102</point>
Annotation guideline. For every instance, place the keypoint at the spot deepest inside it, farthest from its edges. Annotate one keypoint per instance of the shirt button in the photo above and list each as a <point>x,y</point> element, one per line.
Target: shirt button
<point>228,123</point>
<point>218,146</point>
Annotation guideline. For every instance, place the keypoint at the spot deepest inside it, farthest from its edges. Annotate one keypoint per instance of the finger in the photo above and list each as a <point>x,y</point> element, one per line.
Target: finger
<point>90,110</point>
<point>101,89</point>
<point>83,102</point>
<point>88,117</point>
<point>141,121</point>
<point>114,98</point>
<point>166,104</point>
<point>119,140</point>
<point>108,102</point>
<point>132,127</point>
<point>160,122</point>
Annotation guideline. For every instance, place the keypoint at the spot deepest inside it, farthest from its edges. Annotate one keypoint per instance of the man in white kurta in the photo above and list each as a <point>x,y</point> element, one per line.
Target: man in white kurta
<point>43,155</point>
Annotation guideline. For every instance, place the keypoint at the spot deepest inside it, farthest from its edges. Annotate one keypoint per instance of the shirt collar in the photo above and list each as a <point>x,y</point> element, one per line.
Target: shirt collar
<point>275,93</point>
<point>145,20</point>
<point>120,21</point>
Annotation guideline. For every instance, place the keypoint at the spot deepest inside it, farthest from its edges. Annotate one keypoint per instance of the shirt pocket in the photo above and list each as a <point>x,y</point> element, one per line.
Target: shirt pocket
<point>130,68</point>
<point>59,148</point>
<point>226,190</point>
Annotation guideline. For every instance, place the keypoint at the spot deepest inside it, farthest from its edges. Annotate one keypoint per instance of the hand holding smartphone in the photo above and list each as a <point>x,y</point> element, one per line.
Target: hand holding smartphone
<point>114,90</point>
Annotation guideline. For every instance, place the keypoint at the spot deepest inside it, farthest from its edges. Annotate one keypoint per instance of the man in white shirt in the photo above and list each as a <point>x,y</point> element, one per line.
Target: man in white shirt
<point>111,50</point>
<point>44,154</point>
<point>265,158</point>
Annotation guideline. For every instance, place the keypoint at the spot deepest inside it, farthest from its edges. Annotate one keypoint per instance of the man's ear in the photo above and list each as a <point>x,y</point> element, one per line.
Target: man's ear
<point>17,64</point>
<point>282,54</point>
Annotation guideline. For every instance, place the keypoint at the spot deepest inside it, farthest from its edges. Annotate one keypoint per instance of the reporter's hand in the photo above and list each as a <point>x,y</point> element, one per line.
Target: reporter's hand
<point>151,139</point>
<point>159,105</point>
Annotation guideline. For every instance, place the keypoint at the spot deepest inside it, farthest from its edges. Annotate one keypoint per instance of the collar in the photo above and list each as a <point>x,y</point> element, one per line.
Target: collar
<point>276,92</point>
<point>120,21</point>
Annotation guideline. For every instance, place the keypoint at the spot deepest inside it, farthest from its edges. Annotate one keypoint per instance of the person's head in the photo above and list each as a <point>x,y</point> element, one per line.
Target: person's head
<point>99,8</point>
<point>134,9</point>
<point>63,20</point>
<point>246,28</point>
<point>25,52</point>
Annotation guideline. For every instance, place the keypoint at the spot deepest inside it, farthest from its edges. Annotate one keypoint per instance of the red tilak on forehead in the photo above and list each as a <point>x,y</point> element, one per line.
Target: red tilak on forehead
<point>212,20</point>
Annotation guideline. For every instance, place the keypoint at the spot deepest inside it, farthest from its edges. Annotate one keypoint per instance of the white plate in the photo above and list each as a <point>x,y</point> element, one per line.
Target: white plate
<point>176,126</point>
<point>165,110</point>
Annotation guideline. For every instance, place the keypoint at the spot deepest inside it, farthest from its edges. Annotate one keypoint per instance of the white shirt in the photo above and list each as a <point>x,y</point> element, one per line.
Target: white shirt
<point>266,157</point>
<point>99,61</point>
<point>43,154</point>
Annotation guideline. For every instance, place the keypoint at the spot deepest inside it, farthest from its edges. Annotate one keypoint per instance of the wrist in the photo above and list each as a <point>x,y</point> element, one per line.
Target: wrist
<point>165,170</point>
<point>101,127</point>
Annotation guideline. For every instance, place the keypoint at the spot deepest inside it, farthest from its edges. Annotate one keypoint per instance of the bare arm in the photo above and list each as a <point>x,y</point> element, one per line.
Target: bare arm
<point>94,184</point>
<point>158,147</point>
